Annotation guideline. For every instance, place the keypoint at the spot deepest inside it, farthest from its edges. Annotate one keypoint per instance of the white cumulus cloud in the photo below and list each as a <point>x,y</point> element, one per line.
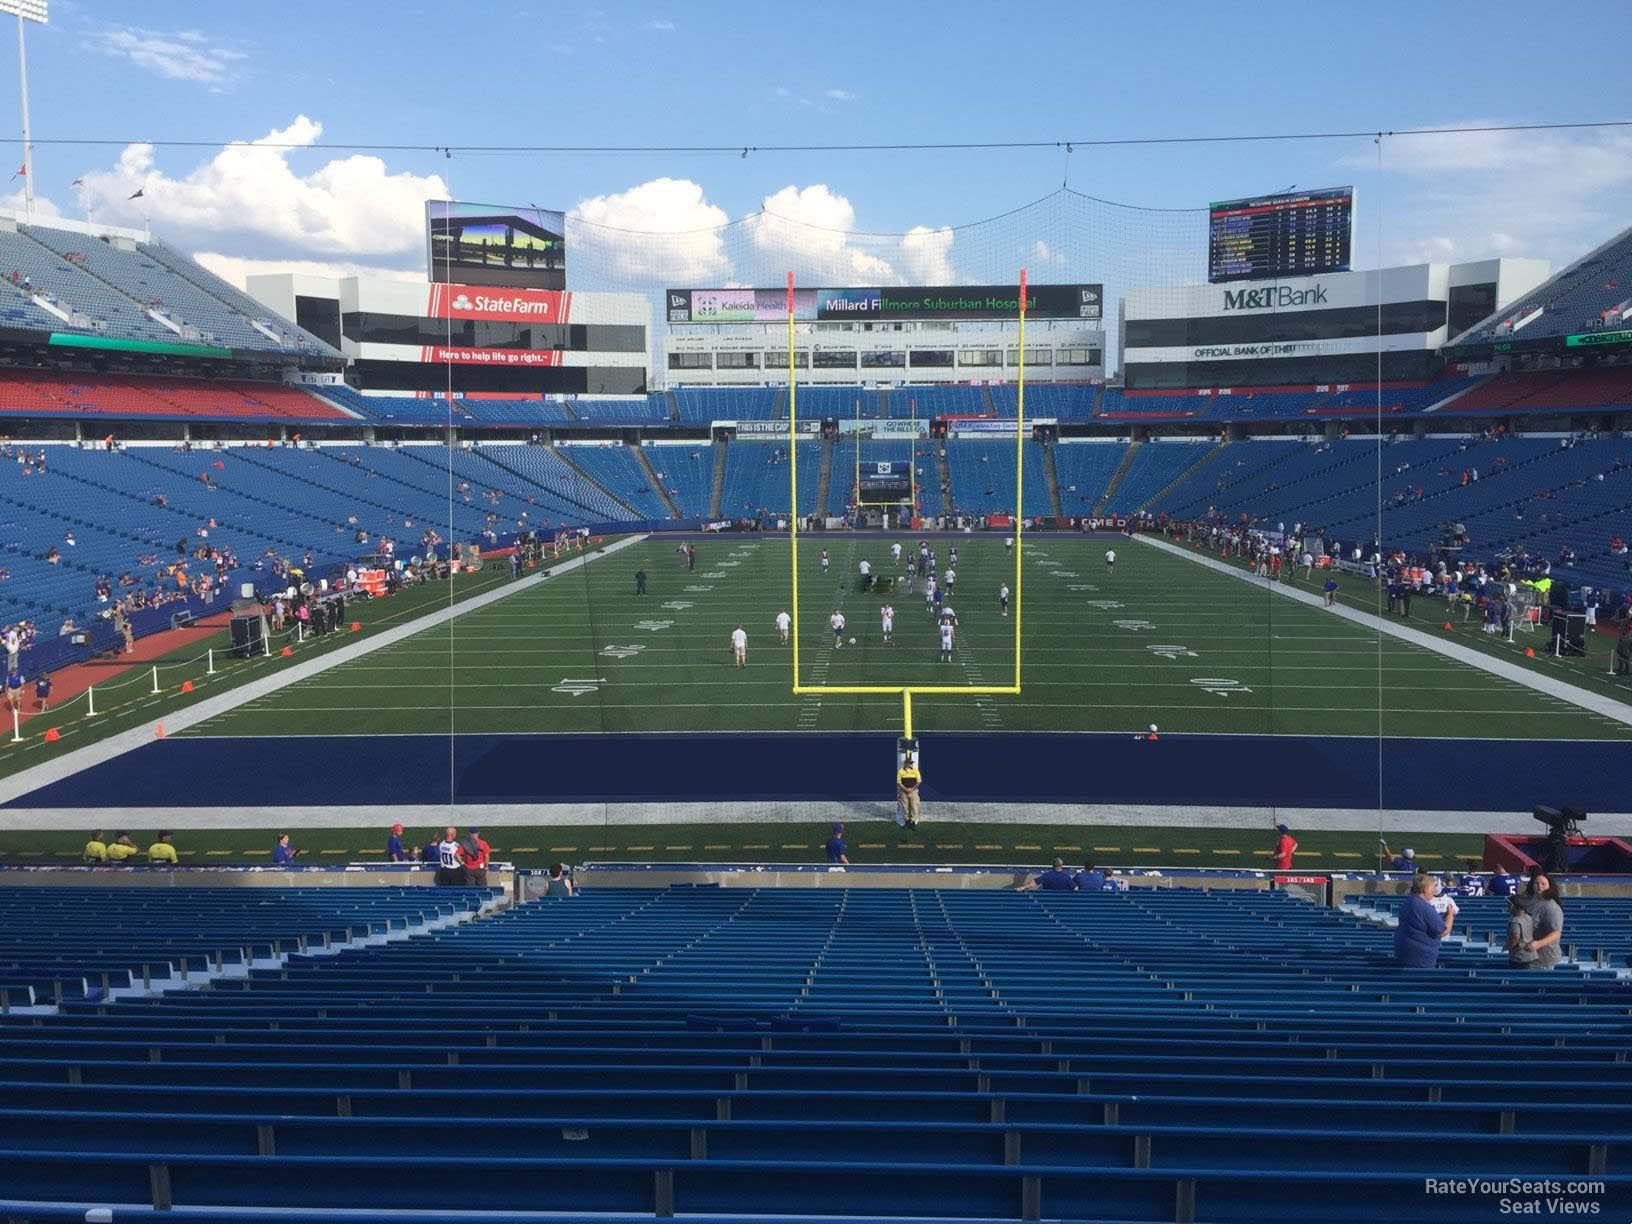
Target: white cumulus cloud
<point>810,231</point>
<point>353,206</point>
<point>664,231</point>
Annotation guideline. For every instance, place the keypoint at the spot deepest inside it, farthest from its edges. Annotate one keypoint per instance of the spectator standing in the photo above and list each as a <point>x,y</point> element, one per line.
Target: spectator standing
<point>1521,934</point>
<point>559,884</point>
<point>473,856</point>
<point>1285,847</point>
<point>449,872</point>
<point>1547,917</point>
<point>42,692</point>
<point>1416,939</point>
<point>1444,905</point>
<point>283,854</point>
<point>907,781</point>
<point>393,846</point>
<point>836,847</point>
<point>1405,860</point>
<point>1501,883</point>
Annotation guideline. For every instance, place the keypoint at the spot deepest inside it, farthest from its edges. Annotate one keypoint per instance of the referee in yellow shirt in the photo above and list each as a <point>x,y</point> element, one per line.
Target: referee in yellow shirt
<point>162,852</point>
<point>907,779</point>
<point>121,848</point>
<point>96,850</point>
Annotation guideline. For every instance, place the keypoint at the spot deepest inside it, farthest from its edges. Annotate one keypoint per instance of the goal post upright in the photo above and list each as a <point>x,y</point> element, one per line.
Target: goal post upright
<point>793,484</point>
<point>907,691</point>
<point>1019,479</point>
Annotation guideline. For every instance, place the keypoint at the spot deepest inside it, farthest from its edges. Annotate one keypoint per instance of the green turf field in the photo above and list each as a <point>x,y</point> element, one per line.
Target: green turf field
<point>1160,640</point>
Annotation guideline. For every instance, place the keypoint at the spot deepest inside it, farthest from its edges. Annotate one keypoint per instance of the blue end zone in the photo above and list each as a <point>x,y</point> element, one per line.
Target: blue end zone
<point>1177,771</point>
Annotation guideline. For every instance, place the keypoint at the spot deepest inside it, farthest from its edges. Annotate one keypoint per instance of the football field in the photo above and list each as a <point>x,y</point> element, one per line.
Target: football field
<point>1159,639</point>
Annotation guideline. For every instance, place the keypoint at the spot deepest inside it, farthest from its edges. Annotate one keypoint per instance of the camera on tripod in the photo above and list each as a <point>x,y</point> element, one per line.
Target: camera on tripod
<point>1562,824</point>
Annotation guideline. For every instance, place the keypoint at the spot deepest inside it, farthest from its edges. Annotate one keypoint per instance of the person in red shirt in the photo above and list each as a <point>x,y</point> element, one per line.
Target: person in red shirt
<point>474,853</point>
<point>1285,847</point>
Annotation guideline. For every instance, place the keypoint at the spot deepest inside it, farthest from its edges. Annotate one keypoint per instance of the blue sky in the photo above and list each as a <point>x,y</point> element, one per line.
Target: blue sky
<point>732,74</point>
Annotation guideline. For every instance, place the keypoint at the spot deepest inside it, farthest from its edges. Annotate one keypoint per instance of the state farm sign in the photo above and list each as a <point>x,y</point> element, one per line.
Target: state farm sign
<point>505,305</point>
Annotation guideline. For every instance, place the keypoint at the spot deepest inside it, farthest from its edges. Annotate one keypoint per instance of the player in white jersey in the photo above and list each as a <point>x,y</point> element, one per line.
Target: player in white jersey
<point>739,646</point>
<point>947,631</point>
<point>895,552</point>
<point>824,560</point>
<point>1003,598</point>
<point>952,559</point>
<point>1110,559</point>
<point>929,592</point>
<point>837,621</point>
<point>784,623</point>
<point>886,619</point>
<point>951,577</point>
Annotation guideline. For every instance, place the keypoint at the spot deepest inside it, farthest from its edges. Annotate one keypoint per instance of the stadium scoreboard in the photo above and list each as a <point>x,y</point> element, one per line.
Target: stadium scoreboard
<point>1299,233</point>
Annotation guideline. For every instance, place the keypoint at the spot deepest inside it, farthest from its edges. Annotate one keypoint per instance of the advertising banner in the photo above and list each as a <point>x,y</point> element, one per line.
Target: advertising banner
<point>1082,301</point>
<point>498,305</point>
<point>489,357</point>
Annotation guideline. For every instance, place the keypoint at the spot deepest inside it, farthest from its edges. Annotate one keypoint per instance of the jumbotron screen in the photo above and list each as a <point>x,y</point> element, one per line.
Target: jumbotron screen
<point>1296,233</point>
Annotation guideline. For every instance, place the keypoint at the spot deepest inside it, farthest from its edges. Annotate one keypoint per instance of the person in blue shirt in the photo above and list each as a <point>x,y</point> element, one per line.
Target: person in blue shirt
<point>836,848</point>
<point>1089,879</point>
<point>1501,883</point>
<point>42,692</point>
<point>1405,860</point>
<point>283,854</point>
<point>393,845</point>
<point>1055,879</point>
<point>1416,939</point>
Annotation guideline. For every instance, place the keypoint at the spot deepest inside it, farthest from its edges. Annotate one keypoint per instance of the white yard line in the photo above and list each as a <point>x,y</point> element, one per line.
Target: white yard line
<point>20,784</point>
<point>1607,707</point>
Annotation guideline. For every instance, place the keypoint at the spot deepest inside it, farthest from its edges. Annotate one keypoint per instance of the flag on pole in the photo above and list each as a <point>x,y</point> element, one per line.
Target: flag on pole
<point>21,170</point>
<point>137,194</point>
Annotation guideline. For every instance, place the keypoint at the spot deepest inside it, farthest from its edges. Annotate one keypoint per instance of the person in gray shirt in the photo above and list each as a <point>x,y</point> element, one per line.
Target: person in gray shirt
<point>1542,900</point>
<point>1521,929</point>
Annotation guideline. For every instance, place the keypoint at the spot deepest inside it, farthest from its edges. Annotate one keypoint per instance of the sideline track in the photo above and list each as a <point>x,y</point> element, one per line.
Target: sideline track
<point>69,764</point>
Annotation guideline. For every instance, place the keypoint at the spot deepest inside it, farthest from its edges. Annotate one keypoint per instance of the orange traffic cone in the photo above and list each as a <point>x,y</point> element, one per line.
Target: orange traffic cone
<point>1447,624</point>
<point>158,731</point>
<point>186,686</point>
<point>1529,652</point>
<point>51,735</point>
<point>356,626</point>
<point>286,652</point>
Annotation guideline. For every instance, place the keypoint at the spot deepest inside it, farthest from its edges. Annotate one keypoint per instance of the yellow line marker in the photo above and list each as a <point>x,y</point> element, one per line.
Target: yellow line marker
<point>1427,855</point>
<point>1346,854</point>
<point>342,850</point>
<point>913,846</point>
<point>1111,849</point>
<point>949,845</point>
<point>1147,849</point>
<point>745,846</point>
<point>217,853</point>
<point>1028,847</point>
<point>872,845</point>
<point>687,846</point>
<point>1226,852</point>
<point>985,846</point>
<point>563,849</point>
<point>601,849</point>
<point>794,846</point>
<point>643,847</point>
<point>258,853</point>
<point>523,849</point>
<point>1185,850</point>
<point>1068,847</point>
<point>717,846</point>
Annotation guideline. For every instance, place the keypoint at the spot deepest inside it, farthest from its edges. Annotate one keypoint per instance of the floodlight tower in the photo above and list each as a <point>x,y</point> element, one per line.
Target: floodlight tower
<point>25,11</point>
